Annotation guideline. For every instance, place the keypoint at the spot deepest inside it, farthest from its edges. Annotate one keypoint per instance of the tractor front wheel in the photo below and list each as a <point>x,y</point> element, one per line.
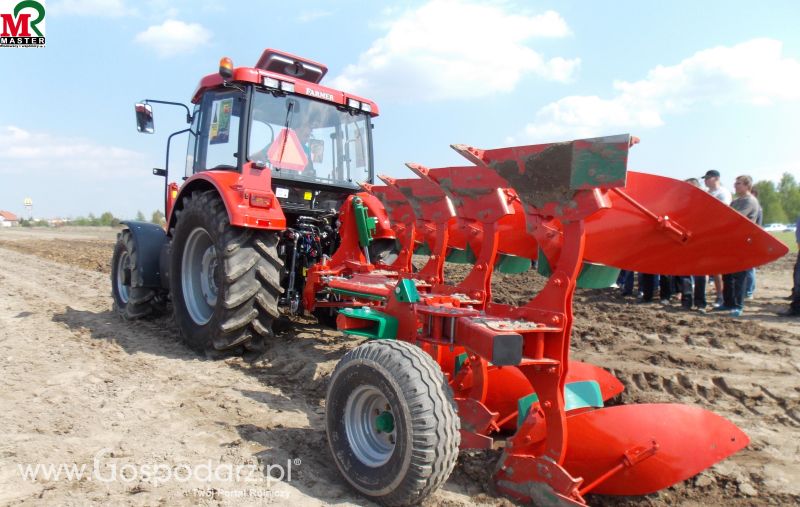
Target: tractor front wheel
<point>225,280</point>
<point>131,301</point>
<point>391,422</point>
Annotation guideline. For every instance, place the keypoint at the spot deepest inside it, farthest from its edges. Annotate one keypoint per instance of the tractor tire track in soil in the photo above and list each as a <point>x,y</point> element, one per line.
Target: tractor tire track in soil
<point>77,381</point>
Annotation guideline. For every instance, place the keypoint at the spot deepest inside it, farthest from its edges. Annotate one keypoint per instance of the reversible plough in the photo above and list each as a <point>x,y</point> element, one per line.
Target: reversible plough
<point>574,209</point>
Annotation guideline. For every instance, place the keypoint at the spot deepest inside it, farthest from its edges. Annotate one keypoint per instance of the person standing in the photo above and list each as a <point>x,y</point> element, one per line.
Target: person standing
<point>625,281</point>
<point>734,284</point>
<point>648,286</point>
<point>794,306</point>
<point>715,188</point>
<point>692,288</point>
<point>750,284</point>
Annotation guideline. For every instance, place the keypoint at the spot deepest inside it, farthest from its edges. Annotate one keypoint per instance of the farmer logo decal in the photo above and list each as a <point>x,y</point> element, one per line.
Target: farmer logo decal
<point>318,94</point>
<point>22,24</point>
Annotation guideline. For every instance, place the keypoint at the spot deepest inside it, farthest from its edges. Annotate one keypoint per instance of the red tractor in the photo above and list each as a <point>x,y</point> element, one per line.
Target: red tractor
<point>272,155</point>
<point>279,209</point>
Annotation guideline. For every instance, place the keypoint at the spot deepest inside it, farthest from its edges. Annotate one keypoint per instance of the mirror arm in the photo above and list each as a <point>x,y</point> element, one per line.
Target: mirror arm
<point>188,111</point>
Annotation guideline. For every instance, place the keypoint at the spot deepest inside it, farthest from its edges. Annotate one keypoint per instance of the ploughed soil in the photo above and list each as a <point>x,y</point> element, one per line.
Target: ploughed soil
<point>152,423</point>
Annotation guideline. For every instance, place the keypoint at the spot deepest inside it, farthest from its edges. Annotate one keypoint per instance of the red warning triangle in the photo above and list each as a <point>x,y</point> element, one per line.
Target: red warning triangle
<point>286,152</point>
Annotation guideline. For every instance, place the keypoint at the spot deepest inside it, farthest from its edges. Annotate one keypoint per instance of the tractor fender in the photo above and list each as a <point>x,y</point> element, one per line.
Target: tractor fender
<point>149,240</point>
<point>233,188</point>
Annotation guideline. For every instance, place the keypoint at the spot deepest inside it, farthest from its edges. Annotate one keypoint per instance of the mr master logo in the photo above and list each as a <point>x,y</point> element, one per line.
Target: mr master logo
<point>23,24</point>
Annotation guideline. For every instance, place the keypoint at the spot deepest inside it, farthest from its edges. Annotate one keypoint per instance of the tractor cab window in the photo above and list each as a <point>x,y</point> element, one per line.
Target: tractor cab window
<point>218,139</point>
<point>307,140</point>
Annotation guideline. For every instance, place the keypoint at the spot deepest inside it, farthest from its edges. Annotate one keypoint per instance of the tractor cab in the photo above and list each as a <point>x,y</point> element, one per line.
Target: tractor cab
<point>316,142</point>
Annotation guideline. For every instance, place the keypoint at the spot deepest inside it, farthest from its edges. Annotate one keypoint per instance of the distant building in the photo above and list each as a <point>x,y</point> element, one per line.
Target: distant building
<point>8,219</point>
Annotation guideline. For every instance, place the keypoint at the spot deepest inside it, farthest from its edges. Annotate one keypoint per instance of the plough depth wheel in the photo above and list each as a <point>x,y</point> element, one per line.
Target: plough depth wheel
<point>391,421</point>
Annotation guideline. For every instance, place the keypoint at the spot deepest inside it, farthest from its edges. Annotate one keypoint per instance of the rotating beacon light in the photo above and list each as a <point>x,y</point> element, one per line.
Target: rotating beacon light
<point>226,68</point>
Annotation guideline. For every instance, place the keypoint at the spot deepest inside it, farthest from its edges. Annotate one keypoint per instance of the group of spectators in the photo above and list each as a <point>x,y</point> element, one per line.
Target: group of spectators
<point>732,289</point>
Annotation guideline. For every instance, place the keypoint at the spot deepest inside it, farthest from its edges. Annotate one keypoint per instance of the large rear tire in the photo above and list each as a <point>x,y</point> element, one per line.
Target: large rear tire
<point>225,280</point>
<point>131,301</point>
<point>391,422</point>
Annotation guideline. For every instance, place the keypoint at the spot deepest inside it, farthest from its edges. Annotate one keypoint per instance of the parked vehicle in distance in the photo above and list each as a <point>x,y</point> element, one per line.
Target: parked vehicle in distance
<point>776,227</point>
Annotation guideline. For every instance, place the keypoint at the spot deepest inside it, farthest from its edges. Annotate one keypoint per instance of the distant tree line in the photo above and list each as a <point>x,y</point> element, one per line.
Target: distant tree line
<point>107,219</point>
<point>781,202</point>
<point>26,222</point>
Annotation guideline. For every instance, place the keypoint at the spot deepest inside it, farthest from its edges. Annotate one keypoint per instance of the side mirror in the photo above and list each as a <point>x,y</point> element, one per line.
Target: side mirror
<point>144,118</point>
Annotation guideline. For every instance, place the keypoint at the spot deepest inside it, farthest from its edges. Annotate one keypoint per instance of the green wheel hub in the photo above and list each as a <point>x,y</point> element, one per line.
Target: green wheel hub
<point>384,423</point>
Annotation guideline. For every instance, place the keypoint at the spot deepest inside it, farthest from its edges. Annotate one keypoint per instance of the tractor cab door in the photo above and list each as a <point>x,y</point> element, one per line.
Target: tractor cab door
<point>214,138</point>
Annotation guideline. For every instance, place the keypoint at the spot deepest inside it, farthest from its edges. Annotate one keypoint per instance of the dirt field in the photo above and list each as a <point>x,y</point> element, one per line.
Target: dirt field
<point>128,402</point>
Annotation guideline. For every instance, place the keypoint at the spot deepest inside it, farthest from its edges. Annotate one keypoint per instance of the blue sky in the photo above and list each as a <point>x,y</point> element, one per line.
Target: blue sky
<point>704,84</point>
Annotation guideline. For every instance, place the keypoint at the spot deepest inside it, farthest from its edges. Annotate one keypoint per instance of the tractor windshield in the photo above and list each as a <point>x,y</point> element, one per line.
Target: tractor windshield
<point>307,140</point>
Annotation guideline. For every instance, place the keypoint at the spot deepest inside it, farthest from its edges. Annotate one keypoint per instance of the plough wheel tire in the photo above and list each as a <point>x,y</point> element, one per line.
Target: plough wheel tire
<point>391,422</point>
<point>225,280</point>
<point>130,302</point>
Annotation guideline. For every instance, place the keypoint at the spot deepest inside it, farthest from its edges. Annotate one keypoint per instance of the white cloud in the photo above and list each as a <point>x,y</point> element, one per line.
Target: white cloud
<point>456,49</point>
<point>71,176</point>
<point>310,15</point>
<point>99,8</point>
<point>753,72</point>
<point>22,151</point>
<point>173,37</point>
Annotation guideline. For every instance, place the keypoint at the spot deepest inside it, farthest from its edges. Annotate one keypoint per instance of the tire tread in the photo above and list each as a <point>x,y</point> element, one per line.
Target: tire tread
<point>251,278</point>
<point>433,415</point>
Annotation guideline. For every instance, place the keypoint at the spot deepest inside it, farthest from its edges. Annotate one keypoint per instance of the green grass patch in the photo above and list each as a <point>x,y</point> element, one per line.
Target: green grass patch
<point>788,239</point>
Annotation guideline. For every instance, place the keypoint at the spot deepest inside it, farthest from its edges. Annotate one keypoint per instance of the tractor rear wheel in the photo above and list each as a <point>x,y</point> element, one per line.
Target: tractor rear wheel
<point>225,280</point>
<point>391,422</point>
<point>130,301</point>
